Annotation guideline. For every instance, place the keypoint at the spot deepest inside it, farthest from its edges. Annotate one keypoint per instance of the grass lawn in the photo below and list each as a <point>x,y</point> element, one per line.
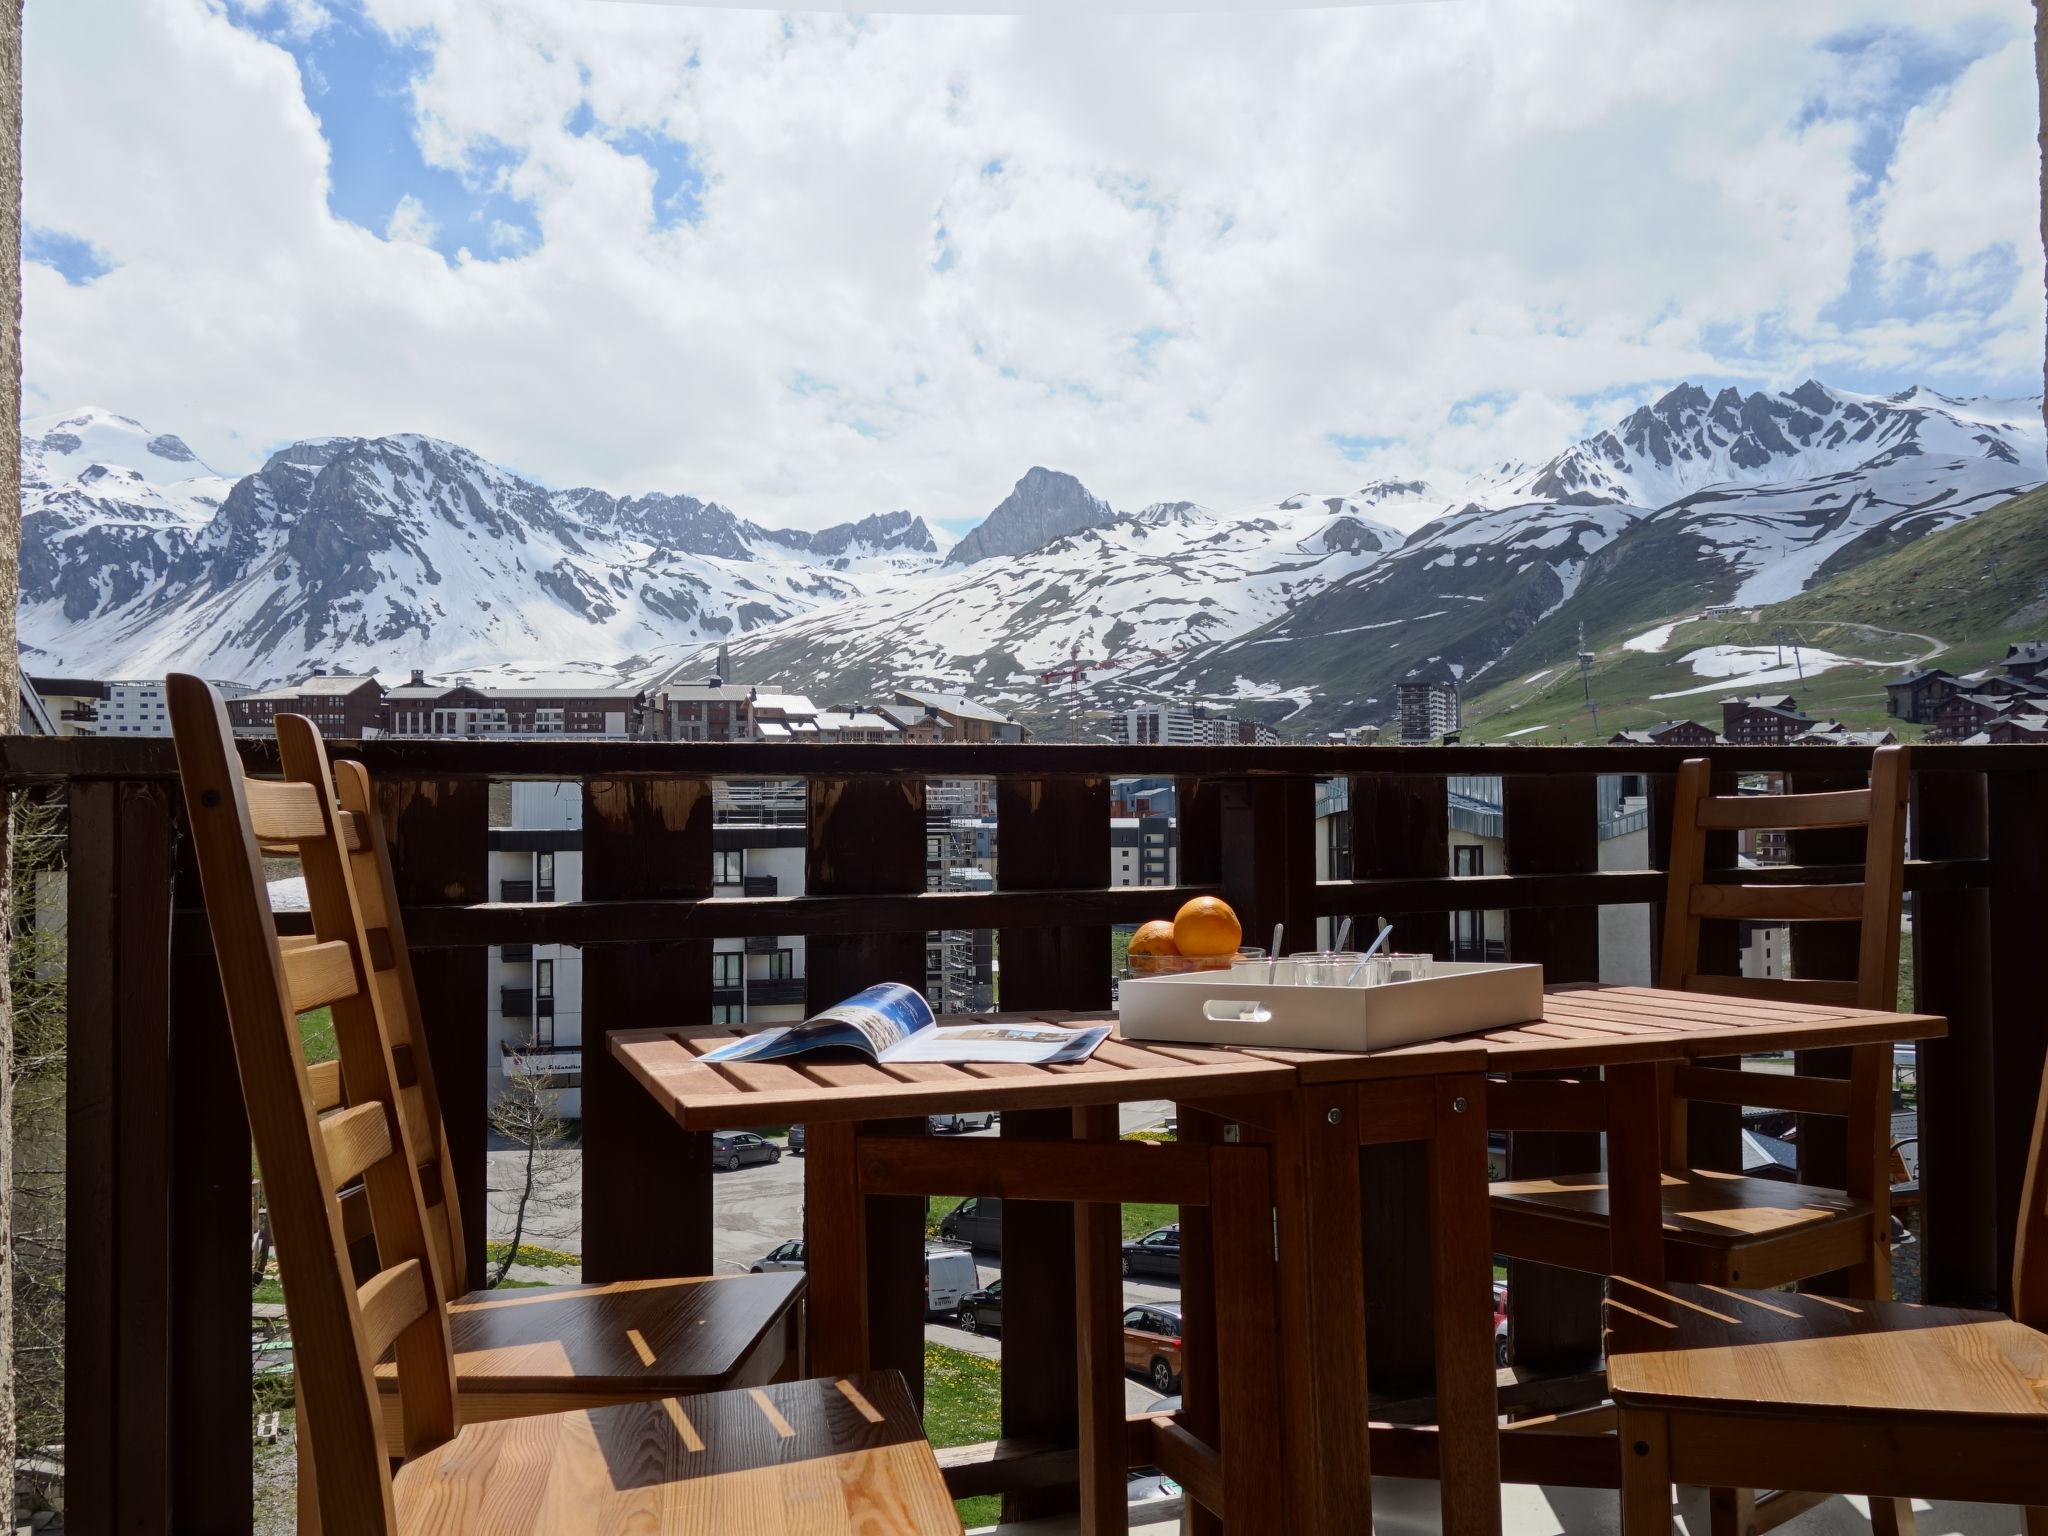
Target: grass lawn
<point>963,1405</point>
<point>1138,1219</point>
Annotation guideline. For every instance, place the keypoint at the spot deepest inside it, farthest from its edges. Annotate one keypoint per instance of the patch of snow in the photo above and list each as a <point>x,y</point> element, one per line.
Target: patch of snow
<point>1524,731</point>
<point>1652,639</point>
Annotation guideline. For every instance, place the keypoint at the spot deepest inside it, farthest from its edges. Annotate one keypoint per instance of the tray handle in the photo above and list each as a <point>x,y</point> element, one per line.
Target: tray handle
<point>1236,1010</point>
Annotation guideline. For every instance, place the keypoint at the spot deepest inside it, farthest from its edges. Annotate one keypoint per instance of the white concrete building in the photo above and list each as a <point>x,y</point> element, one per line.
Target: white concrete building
<point>136,706</point>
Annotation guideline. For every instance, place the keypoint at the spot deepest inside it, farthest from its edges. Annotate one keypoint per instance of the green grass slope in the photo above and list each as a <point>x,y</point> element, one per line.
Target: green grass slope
<point>1955,599</point>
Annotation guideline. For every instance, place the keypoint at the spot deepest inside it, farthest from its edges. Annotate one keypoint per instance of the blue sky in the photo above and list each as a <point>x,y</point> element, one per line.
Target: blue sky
<point>819,266</point>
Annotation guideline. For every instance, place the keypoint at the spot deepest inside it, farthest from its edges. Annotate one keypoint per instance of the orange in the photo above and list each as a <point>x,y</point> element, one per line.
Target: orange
<point>1206,926</point>
<point>1155,938</point>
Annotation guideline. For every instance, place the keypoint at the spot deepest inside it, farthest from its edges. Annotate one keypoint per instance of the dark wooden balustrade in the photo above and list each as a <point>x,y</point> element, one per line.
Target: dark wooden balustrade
<point>158,1164</point>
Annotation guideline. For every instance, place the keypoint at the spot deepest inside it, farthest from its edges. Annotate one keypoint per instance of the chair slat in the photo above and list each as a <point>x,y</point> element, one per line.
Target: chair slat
<point>356,1139</point>
<point>419,1125</point>
<point>1780,903</point>
<point>353,836</point>
<point>324,1078</point>
<point>1737,813</point>
<point>391,1301</point>
<point>1777,989</point>
<point>318,974</point>
<point>284,813</point>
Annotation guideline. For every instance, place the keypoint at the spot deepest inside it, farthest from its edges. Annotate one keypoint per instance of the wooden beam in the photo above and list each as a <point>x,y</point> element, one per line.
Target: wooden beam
<point>1064,1171</point>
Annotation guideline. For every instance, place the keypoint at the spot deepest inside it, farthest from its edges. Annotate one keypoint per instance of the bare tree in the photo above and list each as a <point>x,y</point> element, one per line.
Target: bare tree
<point>526,1114</point>
<point>10,659</point>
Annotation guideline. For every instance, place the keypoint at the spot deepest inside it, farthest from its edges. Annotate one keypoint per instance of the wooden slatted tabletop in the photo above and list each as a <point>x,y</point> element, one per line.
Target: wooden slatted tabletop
<point>1581,1026</point>
<point>703,1096</point>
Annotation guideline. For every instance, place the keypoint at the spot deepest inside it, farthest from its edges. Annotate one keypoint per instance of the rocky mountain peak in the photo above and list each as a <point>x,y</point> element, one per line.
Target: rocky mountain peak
<point>1046,504</point>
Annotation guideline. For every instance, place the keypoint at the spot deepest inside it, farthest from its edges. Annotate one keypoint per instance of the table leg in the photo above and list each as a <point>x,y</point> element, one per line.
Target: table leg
<point>1099,1346</point>
<point>1468,1434</point>
<point>1255,1480</point>
<point>1201,1401</point>
<point>1321,1310</point>
<point>1635,1167</point>
<point>836,1251</point>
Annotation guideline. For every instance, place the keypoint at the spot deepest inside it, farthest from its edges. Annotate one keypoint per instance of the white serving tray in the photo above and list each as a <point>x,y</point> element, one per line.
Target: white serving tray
<point>1217,1008</point>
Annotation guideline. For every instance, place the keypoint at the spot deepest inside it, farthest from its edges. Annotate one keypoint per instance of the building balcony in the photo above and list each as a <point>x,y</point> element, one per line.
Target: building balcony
<point>766,991</point>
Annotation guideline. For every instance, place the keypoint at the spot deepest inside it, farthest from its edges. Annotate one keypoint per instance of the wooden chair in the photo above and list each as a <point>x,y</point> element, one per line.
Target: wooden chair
<point>1729,1229</point>
<point>1722,1228</point>
<point>1726,1387</point>
<point>536,1349</point>
<point>817,1456</point>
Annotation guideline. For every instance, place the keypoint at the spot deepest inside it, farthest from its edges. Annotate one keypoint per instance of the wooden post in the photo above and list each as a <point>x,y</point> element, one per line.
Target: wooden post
<point>2018,811</point>
<point>1269,858</point>
<point>439,831</point>
<point>212,1473</point>
<point>646,1182</point>
<point>1099,1345</point>
<point>867,839</point>
<point>1050,833</point>
<point>118,1321</point>
<point>1400,826</point>
<point>1551,829</point>
<point>1951,977</point>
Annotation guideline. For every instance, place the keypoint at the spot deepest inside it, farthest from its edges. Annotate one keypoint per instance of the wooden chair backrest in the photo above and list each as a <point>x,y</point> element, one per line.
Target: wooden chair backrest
<point>2030,1256</point>
<point>398,1009</point>
<point>339,1329</point>
<point>1874,900</point>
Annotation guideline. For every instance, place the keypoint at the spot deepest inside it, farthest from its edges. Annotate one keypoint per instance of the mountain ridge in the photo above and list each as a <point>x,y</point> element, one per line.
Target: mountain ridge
<point>386,553</point>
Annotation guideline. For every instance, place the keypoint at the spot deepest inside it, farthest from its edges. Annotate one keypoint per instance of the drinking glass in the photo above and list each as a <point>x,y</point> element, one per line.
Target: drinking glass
<point>1318,968</point>
<point>1405,967</point>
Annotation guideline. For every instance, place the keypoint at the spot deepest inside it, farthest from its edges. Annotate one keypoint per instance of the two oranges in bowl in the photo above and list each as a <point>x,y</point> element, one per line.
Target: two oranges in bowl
<point>1203,936</point>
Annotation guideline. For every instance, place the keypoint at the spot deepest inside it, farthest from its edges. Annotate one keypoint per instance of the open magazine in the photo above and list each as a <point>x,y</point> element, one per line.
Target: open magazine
<point>893,1022</point>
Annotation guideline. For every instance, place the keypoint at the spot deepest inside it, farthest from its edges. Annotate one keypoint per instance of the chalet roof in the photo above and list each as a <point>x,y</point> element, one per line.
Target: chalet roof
<point>2027,651</point>
<point>609,695</point>
<point>326,684</point>
<point>1783,703</point>
<point>853,720</point>
<point>957,705</point>
<point>1672,725</point>
<point>1783,714</point>
<point>1632,738</point>
<point>1843,737</point>
<point>1925,674</point>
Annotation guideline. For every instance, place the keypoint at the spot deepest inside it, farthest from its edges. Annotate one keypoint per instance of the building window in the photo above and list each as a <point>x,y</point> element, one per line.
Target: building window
<point>726,1013</point>
<point>781,965</point>
<point>729,866</point>
<point>727,967</point>
<point>544,888</point>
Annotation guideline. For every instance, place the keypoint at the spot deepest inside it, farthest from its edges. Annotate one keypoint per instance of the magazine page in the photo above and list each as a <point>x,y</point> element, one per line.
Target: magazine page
<point>1032,1044</point>
<point>871,1022</point>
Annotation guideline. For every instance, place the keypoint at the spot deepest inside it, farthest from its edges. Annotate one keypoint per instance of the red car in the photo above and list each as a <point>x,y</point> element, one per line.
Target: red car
<point>1152,1343</point>
<point>1500,1323</point>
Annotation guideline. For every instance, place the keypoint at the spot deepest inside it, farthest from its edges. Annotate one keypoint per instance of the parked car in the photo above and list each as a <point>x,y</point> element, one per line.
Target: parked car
<point>1152,1344</point>
<point>796,1141</point>
<point>982,1311</point>
<point>736,1149</point>
<point>1500,1323</point>
<point>976,1221</point>
<point>1156,1253</point>
<point>789,1255</point>
<point>949,1278</point>
<point>980,1120</point>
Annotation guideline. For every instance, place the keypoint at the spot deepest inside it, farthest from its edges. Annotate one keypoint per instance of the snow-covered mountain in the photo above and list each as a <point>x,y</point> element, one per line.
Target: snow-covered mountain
<point>389,553</point>
<point>385,553</point>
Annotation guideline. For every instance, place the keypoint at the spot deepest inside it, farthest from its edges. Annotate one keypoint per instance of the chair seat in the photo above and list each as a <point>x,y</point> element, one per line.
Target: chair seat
<point>1709,1346</point>
<point>1700,1206</point>
<point>533,1345</point>
<point>817,1457</point>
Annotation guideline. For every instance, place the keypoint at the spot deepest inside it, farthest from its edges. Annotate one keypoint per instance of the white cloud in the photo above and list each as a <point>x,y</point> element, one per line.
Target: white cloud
<point>1212,242</point>
<point>411,222</point>
<point>1967,174</point>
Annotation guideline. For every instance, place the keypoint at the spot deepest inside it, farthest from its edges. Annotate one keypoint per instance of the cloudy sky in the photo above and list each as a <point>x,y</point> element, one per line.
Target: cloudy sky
<point>820,265</point>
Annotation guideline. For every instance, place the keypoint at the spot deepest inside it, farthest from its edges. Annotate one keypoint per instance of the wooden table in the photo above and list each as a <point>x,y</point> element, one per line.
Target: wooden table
<point>1310,1113</point>
<point>1256,1158</point>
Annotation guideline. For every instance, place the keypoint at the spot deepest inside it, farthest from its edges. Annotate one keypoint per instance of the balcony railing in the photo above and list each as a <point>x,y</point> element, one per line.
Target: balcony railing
<point>157,1294</point>
<point>769,991</point>
<point>515,1002</point>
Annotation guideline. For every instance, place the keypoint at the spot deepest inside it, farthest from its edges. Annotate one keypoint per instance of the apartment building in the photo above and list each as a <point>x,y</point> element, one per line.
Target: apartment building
<point>536,990</point>
<point>341,704</point>
<point>1429,708</point>
<point>421,708</point>
<point>74,703</point>
<point>1191,726</point>
<point>132,707</point>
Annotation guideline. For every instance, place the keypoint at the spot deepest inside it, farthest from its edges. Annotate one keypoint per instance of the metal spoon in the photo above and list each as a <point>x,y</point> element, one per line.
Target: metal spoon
<point>1362,959</point>
<point>1273,957</point>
